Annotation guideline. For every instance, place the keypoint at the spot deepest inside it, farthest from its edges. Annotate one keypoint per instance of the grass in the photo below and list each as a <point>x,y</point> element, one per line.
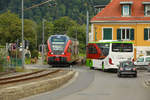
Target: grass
<point>28,61</point>
<point>20,69</point>
<point>82,55</point>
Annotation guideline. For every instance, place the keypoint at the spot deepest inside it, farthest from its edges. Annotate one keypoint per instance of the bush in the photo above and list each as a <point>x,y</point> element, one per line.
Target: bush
<point>2,59</point>
<point>34,53</point>
<point>16,52</point>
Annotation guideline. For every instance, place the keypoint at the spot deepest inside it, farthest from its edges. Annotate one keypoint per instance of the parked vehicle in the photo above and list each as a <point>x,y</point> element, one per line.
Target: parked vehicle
<point>142,62</point>
<point>127,68</point>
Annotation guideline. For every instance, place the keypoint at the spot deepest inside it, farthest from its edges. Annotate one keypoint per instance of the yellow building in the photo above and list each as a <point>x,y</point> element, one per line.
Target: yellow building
<point>126,20</point>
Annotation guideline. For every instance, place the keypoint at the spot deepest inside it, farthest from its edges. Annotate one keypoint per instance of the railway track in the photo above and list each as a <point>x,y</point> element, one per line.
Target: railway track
<point>27,76</point>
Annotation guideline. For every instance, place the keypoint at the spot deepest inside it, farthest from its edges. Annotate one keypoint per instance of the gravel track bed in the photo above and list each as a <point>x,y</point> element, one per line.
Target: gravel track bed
<point>62,72</point>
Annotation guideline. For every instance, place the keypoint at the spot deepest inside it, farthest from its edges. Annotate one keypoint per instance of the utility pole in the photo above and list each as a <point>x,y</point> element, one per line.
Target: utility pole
<point>22,13</point>
<point>87,28</point>
<point>76,33</point>
<point>22,33</point>
<point>43,41</point>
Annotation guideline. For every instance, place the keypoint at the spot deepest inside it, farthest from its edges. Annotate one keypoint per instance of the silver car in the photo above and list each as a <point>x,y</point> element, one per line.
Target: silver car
<point>142,62</point>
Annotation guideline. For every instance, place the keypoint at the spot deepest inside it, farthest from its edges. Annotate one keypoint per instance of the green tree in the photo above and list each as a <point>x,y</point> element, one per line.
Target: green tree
<point>62,25</point>
<point>70,8</point>
<point>30,33</point>
<point>79,32</point>
<point>10,27</point>
<point>48,31</point>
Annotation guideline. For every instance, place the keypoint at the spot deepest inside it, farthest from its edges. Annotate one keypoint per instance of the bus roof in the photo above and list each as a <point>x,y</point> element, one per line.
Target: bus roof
<point>111,41</point>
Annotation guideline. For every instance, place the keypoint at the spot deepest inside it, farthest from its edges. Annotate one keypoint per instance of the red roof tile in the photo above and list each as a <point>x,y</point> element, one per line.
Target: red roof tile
<point>112,12</point>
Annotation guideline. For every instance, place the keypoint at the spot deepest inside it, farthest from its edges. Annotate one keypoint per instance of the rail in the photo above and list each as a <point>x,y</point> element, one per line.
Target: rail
<point>28,76</point>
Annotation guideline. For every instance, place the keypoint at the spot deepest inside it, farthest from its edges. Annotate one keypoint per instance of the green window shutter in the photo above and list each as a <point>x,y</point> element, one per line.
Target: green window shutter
<point>107,35</point>
<point>144,10</point>
<point>118,34</point>
<point>95,36</point>
<point>145,34</point>
<point>131,34</point>
<point>122,10</point>
<point>130,10</point>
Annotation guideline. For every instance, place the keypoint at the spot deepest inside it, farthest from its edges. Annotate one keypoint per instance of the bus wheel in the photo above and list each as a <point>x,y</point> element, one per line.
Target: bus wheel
<point>92,68</point>
<point>90,64</point>
<point>103,67</point>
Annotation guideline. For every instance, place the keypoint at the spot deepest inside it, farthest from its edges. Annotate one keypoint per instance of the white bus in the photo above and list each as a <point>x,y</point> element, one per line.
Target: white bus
<point>107,54</point>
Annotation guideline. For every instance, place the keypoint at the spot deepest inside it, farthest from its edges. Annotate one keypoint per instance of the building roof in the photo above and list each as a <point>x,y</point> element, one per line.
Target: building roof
<point>112,12</point>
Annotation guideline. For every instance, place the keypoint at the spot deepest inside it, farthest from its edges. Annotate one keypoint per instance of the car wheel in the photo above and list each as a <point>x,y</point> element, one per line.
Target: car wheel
<point>135,75</point>
<point>119,75</point>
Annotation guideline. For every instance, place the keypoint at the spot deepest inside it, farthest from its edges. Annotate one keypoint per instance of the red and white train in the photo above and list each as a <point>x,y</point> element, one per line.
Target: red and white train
<point>63,50</point>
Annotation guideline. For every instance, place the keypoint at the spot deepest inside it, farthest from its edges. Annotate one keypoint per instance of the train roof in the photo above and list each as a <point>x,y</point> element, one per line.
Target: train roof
<point>64,36</point>
<point>59,35</point>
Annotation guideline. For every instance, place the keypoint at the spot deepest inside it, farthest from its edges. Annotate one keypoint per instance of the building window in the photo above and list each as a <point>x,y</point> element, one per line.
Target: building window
<point>95,29</point>
<point>147,34</point>
<point>95,36</point>
<point>126,10</point>
<point>107,33</point>
<point>147,10</point>
<point>125,34</point>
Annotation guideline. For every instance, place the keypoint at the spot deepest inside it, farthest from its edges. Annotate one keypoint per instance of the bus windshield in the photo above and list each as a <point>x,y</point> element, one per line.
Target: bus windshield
<point>122,47</point>
<point>104,47</point>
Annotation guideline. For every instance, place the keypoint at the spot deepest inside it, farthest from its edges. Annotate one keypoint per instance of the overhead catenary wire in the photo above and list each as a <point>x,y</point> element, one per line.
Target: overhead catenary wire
<point>37,5</point>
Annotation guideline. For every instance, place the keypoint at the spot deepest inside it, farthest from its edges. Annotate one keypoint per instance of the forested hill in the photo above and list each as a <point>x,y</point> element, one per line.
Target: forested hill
<point>75,9</point>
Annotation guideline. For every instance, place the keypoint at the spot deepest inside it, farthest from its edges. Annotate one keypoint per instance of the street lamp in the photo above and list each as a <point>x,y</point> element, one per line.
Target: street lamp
<point>23,56</point>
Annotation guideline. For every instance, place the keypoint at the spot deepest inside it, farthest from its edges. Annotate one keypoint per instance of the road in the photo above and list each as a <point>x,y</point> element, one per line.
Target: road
<point>98,85</point>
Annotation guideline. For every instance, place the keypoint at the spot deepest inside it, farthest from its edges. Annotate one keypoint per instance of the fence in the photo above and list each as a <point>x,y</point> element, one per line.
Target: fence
<point>3,58</point>
<point>9,59</point>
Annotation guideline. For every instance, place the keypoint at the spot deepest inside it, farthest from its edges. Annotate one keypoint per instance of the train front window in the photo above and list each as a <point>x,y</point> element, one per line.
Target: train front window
<point>57,47</point>
<point>58,43</point>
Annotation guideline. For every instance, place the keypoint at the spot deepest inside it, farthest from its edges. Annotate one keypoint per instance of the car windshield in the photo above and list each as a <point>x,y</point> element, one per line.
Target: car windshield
<point>147,59</point>
<point>127,64</point>
<point>141,59</point>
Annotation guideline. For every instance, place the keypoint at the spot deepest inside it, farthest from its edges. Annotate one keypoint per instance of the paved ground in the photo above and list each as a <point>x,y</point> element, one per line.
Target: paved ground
<point>108,86</point>
<point>98,85</point>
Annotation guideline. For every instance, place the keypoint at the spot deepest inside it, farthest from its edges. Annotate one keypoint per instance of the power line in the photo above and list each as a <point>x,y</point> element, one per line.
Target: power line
<point>38,4</point>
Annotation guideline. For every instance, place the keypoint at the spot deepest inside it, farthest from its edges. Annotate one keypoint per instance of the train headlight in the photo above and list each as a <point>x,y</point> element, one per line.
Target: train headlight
<point>52,53</point>
<point>63,53</point>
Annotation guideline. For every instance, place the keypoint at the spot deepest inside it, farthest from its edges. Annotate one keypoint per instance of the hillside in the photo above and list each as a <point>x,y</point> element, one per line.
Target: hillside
<point>75,9</point>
